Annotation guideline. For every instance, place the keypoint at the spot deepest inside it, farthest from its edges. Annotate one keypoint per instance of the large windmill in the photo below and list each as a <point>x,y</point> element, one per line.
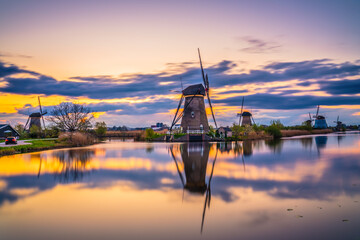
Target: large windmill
<point>245,117</point>
<point>35,118</point>
<point>193,116</point>
<point>320,121</point>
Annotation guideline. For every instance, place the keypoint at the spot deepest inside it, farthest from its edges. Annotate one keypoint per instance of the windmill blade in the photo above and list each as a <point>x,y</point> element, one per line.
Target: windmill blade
<point>40,105</point>
<point>242,106</point>
<point>42,114</point>
<point>310,117</point>
<point>212,112</point>
<point>317,112</point>
<point>338,118</point>
<point>207,82</point>
<point>177,111</point>
<point>253,120</point>
<point>202,69</point>
<point>27,122</point>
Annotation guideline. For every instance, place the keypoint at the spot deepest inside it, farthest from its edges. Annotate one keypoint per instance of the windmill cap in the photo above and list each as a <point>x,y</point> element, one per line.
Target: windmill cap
<point>37,114</point>
<point>197,89</point>
<point>246,113</point>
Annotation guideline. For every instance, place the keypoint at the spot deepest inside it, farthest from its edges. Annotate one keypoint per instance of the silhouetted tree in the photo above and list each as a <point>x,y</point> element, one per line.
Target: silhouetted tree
<point>71,117</point>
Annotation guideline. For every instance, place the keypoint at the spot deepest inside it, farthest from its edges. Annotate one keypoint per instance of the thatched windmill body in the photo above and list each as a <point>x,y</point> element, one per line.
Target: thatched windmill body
<point>35,118</point>
<point>245,117</point>
<point>193,116</point>
<point>320,121</point>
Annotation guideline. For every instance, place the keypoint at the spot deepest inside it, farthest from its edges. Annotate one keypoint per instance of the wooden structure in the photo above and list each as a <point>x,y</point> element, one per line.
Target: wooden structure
<point>35,118</point>
<point>245,117</point>
<point>193,116</point>
<point>320,121</point>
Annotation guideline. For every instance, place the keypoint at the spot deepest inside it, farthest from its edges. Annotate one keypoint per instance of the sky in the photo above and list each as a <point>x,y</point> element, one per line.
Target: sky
<point>123,58</point>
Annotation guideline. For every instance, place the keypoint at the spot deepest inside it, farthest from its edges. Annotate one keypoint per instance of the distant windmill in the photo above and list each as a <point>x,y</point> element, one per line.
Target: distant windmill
<point>35,118</point>
<point>245,117</point>
<point>339,124</point>
<point>320,121</point>
<point>193,116</point>
<point>309,121</point>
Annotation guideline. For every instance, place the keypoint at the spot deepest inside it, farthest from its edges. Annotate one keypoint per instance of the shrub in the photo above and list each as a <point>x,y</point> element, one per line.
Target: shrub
<point>237,130</point>
<point>274,131</point>
<point>100,128</point>
<point>76,138</point>
<point>34,132</point>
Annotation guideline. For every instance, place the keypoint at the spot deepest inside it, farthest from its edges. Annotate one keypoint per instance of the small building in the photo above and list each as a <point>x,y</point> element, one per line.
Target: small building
<point>224,132</point>
<point>7,130</point>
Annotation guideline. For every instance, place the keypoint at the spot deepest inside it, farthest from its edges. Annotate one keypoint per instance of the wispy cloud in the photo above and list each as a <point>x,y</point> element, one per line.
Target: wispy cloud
<point>255,45</point>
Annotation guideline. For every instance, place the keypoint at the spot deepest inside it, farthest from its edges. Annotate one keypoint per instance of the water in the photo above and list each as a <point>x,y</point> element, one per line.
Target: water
<point>299,188</point>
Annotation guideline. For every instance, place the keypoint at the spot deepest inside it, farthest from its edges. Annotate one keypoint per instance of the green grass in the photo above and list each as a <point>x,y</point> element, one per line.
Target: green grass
<point>37,145</point>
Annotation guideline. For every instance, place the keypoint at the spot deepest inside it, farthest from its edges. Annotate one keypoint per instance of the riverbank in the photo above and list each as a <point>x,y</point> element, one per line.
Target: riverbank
<point>36,145</point>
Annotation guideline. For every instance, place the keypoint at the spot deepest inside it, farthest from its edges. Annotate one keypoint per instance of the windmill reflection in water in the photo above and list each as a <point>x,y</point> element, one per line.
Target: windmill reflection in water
<point>195,156</point>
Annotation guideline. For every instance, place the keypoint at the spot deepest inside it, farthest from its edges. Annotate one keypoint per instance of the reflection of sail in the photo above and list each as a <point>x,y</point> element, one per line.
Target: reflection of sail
<point>73,163</point>
<point>208,192</point>
<point>195,157</point>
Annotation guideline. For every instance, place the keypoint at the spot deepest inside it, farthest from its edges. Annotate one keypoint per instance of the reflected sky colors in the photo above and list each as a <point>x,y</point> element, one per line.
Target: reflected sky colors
<point>307,187</point>
<point>123,57</point>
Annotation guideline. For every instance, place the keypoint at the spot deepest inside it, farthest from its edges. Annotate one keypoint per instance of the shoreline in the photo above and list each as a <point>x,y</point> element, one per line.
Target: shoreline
<point>19,149</point>
<point>32,147</point>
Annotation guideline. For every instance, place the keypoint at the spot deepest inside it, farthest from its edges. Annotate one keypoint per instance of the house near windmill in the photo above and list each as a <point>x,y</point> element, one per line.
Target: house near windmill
<point>320,121</point>
<point>7,130</point>
<point>245,117</point>
<point>193,116</point>
<point>35,118</point>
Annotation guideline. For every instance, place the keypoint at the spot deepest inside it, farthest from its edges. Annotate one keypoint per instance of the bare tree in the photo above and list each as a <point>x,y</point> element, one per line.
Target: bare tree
<point>71,117</point>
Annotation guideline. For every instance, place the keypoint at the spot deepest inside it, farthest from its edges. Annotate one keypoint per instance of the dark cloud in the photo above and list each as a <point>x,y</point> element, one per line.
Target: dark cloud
<point>9,69</point>
<point>256,45</point>
<point>284,102</point>
<point>341,87</point>
<point>320,71</point>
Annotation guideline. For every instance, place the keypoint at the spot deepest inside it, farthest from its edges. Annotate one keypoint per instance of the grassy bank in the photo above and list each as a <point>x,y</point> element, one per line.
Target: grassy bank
<point>292,133</point>
<point>36,145</point>
<point>64,141</point>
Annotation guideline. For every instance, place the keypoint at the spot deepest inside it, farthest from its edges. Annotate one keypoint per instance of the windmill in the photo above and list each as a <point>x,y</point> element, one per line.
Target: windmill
<point>339,124</point>
<point>309,121</point>
<point>193,116</point>
<point>245,117</point>
<point>320,121</point>
<point>36,117</point>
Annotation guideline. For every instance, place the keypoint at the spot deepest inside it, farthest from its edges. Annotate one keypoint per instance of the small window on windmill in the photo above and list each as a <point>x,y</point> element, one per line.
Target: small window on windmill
<point>192,114</point>
<point>201,127</point>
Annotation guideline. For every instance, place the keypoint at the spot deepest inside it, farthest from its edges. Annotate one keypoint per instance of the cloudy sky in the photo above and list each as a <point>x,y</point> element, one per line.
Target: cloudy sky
<point>123,58</point>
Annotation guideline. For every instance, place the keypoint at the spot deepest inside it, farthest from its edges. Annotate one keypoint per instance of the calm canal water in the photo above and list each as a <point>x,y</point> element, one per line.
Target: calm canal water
<point>298,188</point>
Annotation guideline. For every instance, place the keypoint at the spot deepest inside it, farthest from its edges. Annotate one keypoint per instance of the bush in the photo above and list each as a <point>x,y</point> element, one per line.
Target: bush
<point>100,128</point>
<point>237,130</point>
<point>149,133</point>
<point>274,131</point>
<point>34,131</point>
<point>76,138</point>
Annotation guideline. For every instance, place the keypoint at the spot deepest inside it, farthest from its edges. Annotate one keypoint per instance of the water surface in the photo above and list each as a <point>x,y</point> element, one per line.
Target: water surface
<point>297,188</point>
